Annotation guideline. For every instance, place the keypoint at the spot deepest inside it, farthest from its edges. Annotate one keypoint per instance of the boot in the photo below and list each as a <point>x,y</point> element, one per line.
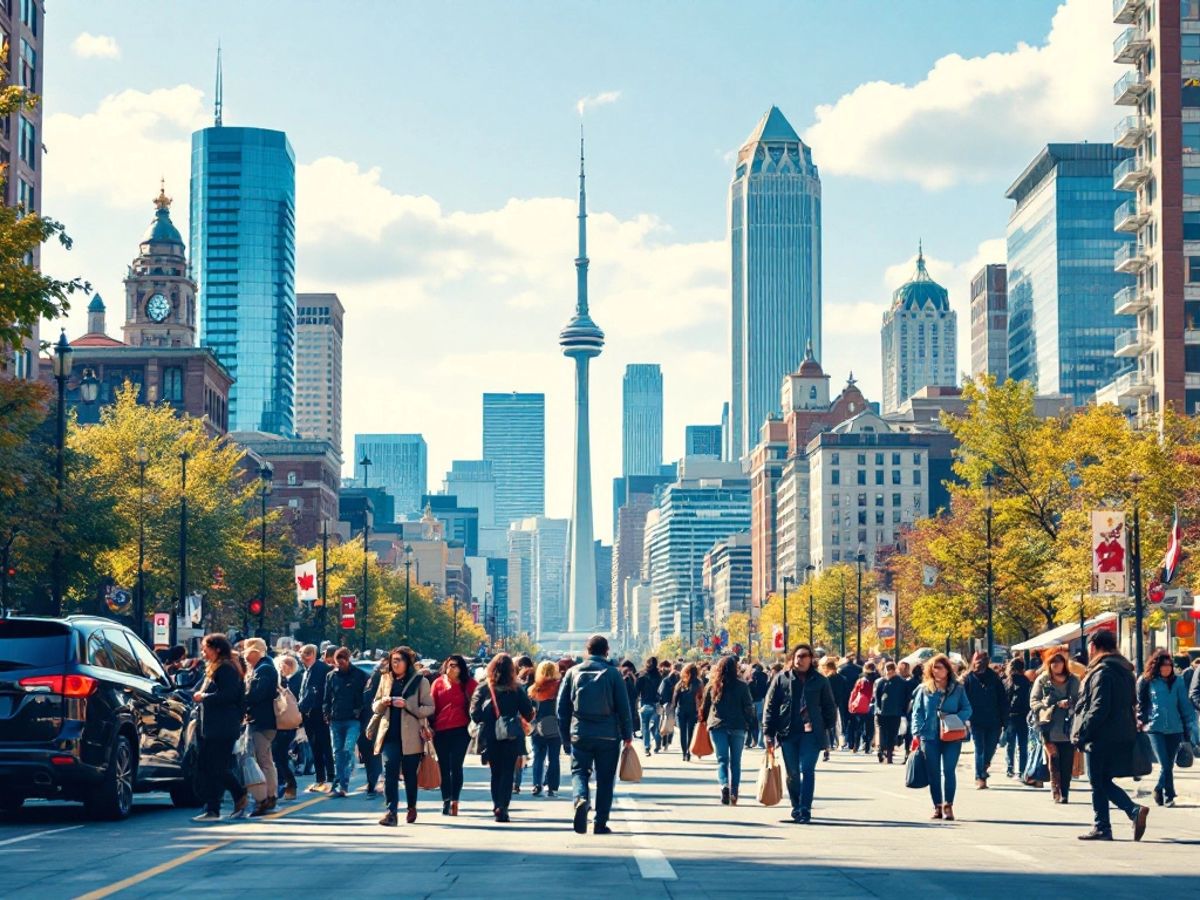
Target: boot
<point>453,807</point>
<point>947,812</point>
<point>1055,777</point>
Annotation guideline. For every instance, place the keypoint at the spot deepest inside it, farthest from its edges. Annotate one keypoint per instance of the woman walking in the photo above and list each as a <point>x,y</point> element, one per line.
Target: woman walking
<point>403,704</point>
<point>686,701</point>
<point>1165,713</point>
<point>940,695</point>
<point>290,678</point>
<point>262,684</point>
<point>797,716</point>
<point>1054,694</point>
<point>729,711</point>
<point>828,668</point>
<point>546,737</point>
<point>1017,690</point>
<point>452,691</point>
<point>221,698</point>
<point>861,699</point>
<point>500,699</point>
<point>647,697</point>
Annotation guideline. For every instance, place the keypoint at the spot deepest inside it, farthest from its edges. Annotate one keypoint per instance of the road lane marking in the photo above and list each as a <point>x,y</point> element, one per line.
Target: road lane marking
<point>652,864</point>
<point>1009,853</point>
<point>37,834</point>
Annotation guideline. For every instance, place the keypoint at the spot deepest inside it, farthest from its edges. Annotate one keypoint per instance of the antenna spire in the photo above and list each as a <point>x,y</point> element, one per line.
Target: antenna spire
<point>218,99</point>
<point>581,262</point>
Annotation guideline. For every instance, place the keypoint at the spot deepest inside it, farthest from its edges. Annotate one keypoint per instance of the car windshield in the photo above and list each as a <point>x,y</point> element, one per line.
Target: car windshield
<point>32,645</point>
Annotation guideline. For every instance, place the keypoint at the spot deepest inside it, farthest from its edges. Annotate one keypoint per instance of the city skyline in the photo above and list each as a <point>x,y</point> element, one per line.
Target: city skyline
<point>659,234</point>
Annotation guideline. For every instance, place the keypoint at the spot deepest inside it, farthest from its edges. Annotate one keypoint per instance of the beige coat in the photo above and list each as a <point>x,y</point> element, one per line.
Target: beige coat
<point>420,704</point>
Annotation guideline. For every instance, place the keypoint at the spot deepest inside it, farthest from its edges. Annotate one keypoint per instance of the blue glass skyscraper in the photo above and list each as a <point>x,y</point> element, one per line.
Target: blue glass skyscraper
<point>642,419</point>
<point>243,242</point>
<point>775,240</point>
<point>514,442</point>
<point>1061,282</point>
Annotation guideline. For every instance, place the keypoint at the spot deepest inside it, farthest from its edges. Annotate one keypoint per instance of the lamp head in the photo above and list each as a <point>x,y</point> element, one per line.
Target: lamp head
<point>62,356</point>
<point>143,455</point>
<point>89,386</point>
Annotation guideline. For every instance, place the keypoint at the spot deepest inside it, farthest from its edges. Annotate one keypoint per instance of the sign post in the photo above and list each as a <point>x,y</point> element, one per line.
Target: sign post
<point>162,631</point>
<point>349,612</point>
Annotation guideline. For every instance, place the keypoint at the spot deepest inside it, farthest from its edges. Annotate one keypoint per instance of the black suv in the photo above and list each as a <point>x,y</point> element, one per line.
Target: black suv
<point>87,713</point>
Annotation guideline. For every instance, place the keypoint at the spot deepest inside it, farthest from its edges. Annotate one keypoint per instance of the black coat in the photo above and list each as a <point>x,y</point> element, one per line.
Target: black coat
<point>686,700</point>
<point>892,696</point>
<point>510,702</point>
<point>647,688</point>
<point>260,695</point>
<point>364,717</point>
<point>345,694</point>
<point>759,682</point>
<point>1016,696</point>
<point>989,706</point>
<point>841,690</point>
<point>223,706</point>
<point>312,688</point>
<point>851,673</point>
<point>777,709</point>
<point>1104,721</point>
<point>666,688</point>
<point>733,712</point>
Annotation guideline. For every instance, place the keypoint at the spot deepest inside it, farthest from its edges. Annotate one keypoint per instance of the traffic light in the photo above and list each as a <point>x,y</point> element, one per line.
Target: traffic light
<point>256,607</point>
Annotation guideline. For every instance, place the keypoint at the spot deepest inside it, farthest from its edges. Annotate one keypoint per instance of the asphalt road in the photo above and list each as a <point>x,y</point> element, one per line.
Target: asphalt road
<point>870,837</point>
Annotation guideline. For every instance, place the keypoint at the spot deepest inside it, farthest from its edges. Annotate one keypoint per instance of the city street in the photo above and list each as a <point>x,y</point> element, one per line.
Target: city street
<point>870,838</point>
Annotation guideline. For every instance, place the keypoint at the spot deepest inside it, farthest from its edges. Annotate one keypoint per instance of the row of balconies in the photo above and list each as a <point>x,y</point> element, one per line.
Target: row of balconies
<point>1130,174</point>
<point>1130,88</point>
<point>1131,300</point>
<point>1129,216</point>
<point>1130,45</point>
<point>1126,12</point>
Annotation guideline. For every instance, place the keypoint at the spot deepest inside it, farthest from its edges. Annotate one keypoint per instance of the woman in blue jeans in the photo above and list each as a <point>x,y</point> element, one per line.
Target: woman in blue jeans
<point>940,694</point>
<point>728,709</point>
<point>1167,716</point>
<point>546,737</point>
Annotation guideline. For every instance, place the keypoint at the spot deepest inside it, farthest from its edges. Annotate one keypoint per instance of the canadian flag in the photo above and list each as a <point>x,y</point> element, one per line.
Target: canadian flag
<point>306,581</point>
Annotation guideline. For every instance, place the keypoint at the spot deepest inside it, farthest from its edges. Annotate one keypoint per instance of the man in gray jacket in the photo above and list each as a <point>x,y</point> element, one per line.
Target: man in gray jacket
<point>593,709</point>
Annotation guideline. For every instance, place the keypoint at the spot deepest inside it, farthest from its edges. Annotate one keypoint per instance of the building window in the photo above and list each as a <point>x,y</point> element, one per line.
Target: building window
<point>25,198</point>
<point>879,459</point>
<point>895,476</point>
<point>862,517</point>
<point>916,476</point>
<point>27,142</point>
<point>835,459</point>
<point>862,476</point>
<point>1191,176</point>
<point>879,499</point>
<point>879,476</point>
<point>836,476</point>
<point>291,479</point>
<point>812,393</point>
<point>895,517</point>
<point>862,459</point>
<point>916,459</point>
<point>29,15</point>
<point>895,499</point>
<point>172,385</point>
<point>836,501</point>
<point>862,500</point>
<point>879,517</point>
<point>28,66</point>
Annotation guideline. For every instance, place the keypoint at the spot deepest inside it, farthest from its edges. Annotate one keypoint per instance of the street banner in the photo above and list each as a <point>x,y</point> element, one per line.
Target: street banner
<point>1171,559</point>
<point>929,576</point>
<point>777,639</point>
<point>306,581</point>
<point>885,613</point>
<point>349,611</point>
<point>1110,574</point>
<point>162,631</point>
<point>195,609</point>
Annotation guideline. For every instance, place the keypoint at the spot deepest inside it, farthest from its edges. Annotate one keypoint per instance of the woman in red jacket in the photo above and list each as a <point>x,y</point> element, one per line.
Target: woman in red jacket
<point>451,700</point>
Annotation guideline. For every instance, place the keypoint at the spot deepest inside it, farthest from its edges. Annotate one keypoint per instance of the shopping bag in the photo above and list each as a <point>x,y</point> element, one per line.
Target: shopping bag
<point>1185,756</point>
<point>666,726</point>
<point>770,781</point>
<point>1037,769</point>
<point>1143,756</point>
<point>702,744</point>
<point>1077,765</point>
<point>429,774</point>
<point>251,773</point>
<point>631,766</point>
<point>916,776</point>
<point>287,710</point>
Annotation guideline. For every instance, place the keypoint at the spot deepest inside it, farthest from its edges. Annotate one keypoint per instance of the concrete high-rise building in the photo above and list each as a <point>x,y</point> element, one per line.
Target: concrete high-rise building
<point>472,481</point>
<point>919,337</point>
<point>581,341</point>
<point>604,561</point>
<point>989,322</point>
<point>627,553</point>
<point>459,522</point>
<point>514,442</point>
<point>538,573</point>
<point>1062,323</point>
<point>641,419</point>
<point>319,368</point>
<point>1159,126</point>
<point>22,27</point>
<point>399,463</point>
<point>726,574</point>
<point>243,239</point>
<point>702,440</point>
<point>775,239</point>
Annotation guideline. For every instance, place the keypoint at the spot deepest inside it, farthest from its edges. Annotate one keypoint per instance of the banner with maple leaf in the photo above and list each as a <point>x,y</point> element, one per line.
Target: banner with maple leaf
<point>306,581</point>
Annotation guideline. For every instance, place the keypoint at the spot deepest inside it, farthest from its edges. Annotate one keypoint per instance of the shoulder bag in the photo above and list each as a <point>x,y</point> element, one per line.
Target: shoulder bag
<point>508,728</point>
<point>951,728</point>
<point>287,710</point>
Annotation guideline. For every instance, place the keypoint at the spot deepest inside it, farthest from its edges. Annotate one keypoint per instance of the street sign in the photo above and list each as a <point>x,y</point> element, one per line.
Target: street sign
<point>118,599</point>
<point>349,610</point>
<point>887,634</point>
<point>888,642</point>
<point>162,631</point>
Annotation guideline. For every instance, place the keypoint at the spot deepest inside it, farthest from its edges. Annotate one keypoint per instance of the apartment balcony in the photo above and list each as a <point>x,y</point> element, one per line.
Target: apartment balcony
<point>1129,301</point>
<point>1130,45</point>
<point>1130,342</point>
<point>1191,336</point>
<point>1133,384</point>
<point>1128,217</point>
<point>1129,89</point>
<point>1130,174</point>
<point>1130,258</point>
<point>1129,132</point>
<point>1126,12</point>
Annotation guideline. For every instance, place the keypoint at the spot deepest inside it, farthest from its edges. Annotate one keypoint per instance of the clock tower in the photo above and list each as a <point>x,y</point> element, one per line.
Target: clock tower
<point>160,298</point>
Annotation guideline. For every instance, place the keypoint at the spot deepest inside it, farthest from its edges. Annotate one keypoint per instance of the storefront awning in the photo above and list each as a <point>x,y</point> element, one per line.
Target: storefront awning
<point>1063,634</point>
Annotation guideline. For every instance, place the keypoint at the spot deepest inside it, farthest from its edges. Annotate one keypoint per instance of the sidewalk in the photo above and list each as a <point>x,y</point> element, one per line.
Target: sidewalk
<point>1187,784</point>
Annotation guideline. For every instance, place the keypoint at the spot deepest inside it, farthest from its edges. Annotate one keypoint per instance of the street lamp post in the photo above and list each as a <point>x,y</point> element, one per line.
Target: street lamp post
<point>988,483</point>
<point>842,583</point>
<point>808,570</point>
<point>1136,480</point>
<point>859,559</point>
<point>365,462</point>
<point>787,579</point>
<point>62,369</point>
<point>184,456</point>
<point>264,475</point>
<point>139,609</point>
<point>408,561</point>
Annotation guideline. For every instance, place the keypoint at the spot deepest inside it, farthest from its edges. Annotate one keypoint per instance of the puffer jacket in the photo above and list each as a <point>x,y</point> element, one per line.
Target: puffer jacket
<point>1163,707</point>
<point>1105,711</point>
<point>419,707</point>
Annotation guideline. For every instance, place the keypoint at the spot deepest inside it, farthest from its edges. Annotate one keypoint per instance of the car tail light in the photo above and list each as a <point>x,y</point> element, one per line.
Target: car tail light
<point>62,760</point>
<point>66,685</point>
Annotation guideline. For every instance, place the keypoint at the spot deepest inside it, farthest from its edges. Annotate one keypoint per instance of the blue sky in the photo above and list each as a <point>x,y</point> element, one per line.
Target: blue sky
<point>436,145</point>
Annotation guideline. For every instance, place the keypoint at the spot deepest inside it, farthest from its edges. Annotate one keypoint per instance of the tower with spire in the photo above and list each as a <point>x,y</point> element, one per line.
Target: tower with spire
<point>919,338</point>
<point>581,341</point>
<point>160,296</point>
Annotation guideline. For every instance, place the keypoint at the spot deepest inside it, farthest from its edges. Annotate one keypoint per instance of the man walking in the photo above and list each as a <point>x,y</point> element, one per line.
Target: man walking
<point>1105,728</point>
<point>758,693</point>
<point>343,708</point>
<point>312,703</point>
<point>593,709</point>
<point>989,706</point>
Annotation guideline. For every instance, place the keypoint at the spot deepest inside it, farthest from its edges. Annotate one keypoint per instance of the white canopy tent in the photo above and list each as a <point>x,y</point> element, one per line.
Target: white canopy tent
<point>926,653</point>
<point>1063,634</point>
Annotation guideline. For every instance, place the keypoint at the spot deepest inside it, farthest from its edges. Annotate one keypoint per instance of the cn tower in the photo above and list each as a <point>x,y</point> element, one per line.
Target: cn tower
<point>581,340</point>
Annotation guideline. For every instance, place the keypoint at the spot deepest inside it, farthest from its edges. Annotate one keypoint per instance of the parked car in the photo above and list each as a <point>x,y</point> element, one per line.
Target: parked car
<point>88,714</point>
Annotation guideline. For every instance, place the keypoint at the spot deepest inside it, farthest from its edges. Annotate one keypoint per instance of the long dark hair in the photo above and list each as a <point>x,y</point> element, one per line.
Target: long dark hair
<point>501,672</point>
<point>410,661</point>
<point>224,650</point>
<point>464,674</point>
<point>1156,660</point>
<point>689,676</point>
<point>724,672</point>
<point>651,666</point>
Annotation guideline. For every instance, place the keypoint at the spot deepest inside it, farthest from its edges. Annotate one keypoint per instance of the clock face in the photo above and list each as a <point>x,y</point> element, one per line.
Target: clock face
<point>158,308</point>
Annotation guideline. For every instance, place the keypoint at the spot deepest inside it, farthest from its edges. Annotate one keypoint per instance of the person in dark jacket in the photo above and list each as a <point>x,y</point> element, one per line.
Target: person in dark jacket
<point>222,703</point>
<point>629,678</point>
<point>1105,728</point>
<point>686,702</point>
<point>989,707</point>
<point>729,713</point>
<point>345,695</point>
<point>666,712</point>
<point>262,685</point>
<point>758,693</point>
<point>647,697</point>
<point>312,702</point>
<point>1016,722</point>
<point>797,711</point>
<point>595,715</point>
<point>911,682</point>
<point>290,678</point>
<point>372,762</point>
<point>891,702</point>
<point>842,686</point>
<point>500,697</point>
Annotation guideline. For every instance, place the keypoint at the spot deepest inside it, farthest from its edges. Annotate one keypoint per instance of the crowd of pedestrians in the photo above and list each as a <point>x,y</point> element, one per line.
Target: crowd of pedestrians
<point>264,721</point>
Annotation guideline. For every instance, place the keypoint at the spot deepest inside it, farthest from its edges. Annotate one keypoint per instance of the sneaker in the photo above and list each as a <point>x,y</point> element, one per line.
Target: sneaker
<point>388,820</point>
<point>601,829</point>
<point>724,796</point>
<point>337,793</point>
<point>1139,821</point>
<point>805,816</point>
<point>537,790</point>
<point>582,808</point>
<point>1096,835</point>
<point>207,816</point>
<point>289,793</point>
<point>316,787</point>
<point>551,794</point>
<point>239,813</point>
<point>1170,801</point>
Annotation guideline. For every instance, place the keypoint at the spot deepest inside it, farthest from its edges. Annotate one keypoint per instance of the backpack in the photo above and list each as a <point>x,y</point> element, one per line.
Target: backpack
<point>590,696</point>
<point>860,698</point>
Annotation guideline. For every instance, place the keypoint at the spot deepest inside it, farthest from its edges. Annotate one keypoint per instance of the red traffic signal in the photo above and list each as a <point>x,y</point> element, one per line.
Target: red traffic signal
<point>256,607</point>
<point>11,571</point>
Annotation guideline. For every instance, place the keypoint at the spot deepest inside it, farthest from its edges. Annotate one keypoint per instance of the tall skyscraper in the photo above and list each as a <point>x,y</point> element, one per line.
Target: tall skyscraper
<point>775,238</point>
<point>1061,319</point>
<point>582,340</point>
<point>989,322</point>
<point>538,573</point>
<point>919,337</point>
<point>243,237</point>
<point>641,419</point>
<point>399,464</point>
<point>514,442</point>
<point>702,440</point>
<point>319,368</point>
<point>1160,96</point>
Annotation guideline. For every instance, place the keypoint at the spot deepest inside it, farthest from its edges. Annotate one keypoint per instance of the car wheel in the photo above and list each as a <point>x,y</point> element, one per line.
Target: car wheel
<point>10,803</point>
<point>113,797</point>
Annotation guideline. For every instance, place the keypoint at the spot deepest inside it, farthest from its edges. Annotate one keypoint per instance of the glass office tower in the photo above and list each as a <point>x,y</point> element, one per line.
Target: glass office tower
<point>514,442</point>
<point>641,419</point>
<point>243,239</point>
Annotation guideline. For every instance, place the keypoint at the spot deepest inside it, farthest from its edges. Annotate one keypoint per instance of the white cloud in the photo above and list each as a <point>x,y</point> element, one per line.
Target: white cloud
<point>957,123</point>
<point>95,46</point>
<point>602,99</point>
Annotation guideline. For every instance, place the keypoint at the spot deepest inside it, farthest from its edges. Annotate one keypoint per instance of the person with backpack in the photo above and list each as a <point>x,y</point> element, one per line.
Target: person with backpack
<point>403,704</point>
<point>941,711</point>
<point>1165,714</point>
<point>859,706</point>
<point>686,702</point>
<point>594,711</point>
<point>1017,690</point>
<point>498,708</point>
<point>546,737</point>
<point>891,703</point>
<point>990,712</point>
<point>666,712</point>
<point>729,713</point>
<point>647,696</point>
<point>452,691</point>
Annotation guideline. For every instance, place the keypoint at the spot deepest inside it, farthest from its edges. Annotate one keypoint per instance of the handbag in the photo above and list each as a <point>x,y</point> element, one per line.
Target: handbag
<point>429,773</point>
<point>287,710</point>
<point>1143,756</point>
<point>951,728</point>
<point>1185,756</point>
<point>1077,765</point>
<point>508,728</point>
<point>1037,768</point>
<point>666,726</point>
<point>702,744</point>
<point>916,776</point>
<point>769,786</point>
<point>547,727</point>
<point>631,766</point>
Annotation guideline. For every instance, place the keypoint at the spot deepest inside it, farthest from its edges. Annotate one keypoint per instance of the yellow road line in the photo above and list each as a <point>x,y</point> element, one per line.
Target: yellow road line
<point>170,864</point>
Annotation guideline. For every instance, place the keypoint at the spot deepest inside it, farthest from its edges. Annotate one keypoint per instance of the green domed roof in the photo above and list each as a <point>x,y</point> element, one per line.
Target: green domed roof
<point>921,290</point>
<point>162,230</point>
<point>97,304</point>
